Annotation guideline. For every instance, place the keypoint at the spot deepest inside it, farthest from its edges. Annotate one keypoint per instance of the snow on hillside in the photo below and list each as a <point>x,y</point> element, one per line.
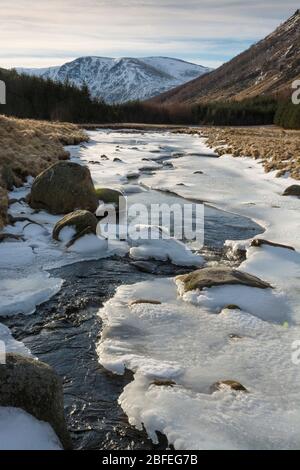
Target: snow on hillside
<point>124,79</point>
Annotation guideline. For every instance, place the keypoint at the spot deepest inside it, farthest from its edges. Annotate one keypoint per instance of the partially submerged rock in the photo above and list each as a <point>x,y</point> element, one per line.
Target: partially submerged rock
<point>231,384</point>
<point>34,387</point>
<point>260,242</point>
<point>209,277</point>
<point>163,383</point>
<point>231,307</point>
<point>293,190</point>
<point>234,336</point>
<point>109,196</point>
<point>80,220</point>
<point>63,188</point>
<point>144,301</point>
<point>10,237</point>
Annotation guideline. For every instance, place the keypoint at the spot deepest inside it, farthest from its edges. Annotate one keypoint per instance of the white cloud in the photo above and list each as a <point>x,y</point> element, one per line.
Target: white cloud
<point>35,33</point>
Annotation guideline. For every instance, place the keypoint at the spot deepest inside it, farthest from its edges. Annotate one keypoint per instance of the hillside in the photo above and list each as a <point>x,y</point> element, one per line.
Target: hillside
<point>27,148</point>
<point>125,79</point>
<point>268,67</point>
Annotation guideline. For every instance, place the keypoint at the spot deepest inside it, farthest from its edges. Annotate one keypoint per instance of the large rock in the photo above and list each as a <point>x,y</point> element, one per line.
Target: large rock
<point>63,188</point>
<point>209,277</point>
<point>34,387</point>
<point>81,221</point>
<point>293,190</point>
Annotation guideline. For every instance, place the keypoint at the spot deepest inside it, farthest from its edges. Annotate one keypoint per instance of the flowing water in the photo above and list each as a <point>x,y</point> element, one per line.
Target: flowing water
<point>63,332</point>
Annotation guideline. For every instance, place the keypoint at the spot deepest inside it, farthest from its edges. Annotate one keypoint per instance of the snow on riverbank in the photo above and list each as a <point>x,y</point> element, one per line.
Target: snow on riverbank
<point>188,345</point>
<point>25,282</point>
<point>128,156</point>
<point>21,431</point>
<point>183,339</point>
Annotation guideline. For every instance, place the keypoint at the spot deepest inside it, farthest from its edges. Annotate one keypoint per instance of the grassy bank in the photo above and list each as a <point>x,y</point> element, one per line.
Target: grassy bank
<point>27,148</point>
<point>278,149</point>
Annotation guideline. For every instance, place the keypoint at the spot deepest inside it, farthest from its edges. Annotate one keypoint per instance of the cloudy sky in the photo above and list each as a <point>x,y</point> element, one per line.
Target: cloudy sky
<point>36,33</point>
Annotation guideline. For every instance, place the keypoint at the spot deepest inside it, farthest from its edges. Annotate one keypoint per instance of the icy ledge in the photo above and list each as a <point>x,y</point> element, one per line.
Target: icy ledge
<point>179,345</point>
<point>21,431</point>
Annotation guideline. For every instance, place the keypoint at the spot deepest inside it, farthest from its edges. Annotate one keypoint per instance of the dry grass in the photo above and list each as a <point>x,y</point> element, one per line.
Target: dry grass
<point>27,147</point>
<point>278,149</point>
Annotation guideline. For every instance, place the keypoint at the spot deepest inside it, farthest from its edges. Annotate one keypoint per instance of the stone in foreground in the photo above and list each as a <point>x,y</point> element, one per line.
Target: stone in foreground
<point>63,188</point>
<point>209,277</point>
<point>33,386</point>
<point>80,220</point>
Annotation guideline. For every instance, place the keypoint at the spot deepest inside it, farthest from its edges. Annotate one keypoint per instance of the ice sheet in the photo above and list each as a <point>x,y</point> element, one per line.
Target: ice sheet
<point>21,431</point>
<point>192,342</point>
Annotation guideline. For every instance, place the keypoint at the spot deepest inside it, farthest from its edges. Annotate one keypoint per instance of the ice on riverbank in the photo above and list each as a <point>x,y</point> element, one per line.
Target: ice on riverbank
<point>177,350</point>
<point>22,295</point>
<point>193,347</point>
<point>21,431</point>
<point>152,245</point>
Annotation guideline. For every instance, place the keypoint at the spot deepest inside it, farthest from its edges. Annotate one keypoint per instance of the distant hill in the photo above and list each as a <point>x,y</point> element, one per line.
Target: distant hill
<point>125,79</point>
<point>268,67</point>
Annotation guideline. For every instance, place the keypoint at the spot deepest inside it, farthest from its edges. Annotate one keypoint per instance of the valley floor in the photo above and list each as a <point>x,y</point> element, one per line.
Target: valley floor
<point>277,148</point>
<point>182,343</point>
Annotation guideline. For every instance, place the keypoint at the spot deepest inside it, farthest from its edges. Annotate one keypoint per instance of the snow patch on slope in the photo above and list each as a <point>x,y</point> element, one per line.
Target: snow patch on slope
<point>124,79</point>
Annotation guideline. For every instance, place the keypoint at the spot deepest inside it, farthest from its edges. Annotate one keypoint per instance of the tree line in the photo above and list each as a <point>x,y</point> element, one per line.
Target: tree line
<point>36,98</point>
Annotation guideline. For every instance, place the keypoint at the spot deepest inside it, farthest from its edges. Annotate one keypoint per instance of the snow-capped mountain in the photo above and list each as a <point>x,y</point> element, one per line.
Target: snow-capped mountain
<point>124,79</point>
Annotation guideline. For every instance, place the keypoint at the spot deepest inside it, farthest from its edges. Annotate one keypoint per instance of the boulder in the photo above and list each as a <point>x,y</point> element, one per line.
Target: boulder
<point>209,277</point>
<point>293,190</point>
<point>80,220</point>
<point>33,386</point>
<point>63,188</point>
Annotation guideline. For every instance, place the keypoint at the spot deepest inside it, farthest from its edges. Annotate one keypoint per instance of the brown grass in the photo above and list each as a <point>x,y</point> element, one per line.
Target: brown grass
<point>278,149</point>
<point>27,147</point>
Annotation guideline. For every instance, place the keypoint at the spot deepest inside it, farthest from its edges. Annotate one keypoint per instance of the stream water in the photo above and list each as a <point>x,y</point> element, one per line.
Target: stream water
<point>63,332</point>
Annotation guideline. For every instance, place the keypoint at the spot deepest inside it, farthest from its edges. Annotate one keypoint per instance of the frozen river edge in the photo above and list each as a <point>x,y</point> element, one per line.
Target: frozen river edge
<point>263,199</point>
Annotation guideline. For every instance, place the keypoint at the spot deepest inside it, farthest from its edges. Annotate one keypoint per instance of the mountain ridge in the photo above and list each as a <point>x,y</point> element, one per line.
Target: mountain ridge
<point>267,67</point>
<point>123,79</point>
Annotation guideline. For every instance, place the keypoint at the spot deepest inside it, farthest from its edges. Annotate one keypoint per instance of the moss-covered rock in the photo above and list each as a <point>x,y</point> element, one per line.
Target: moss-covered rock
<point>80,220</point>
<point>34,387</point>
<point>63,188</point>
<point>209,277</point>
<point>108,196</point>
